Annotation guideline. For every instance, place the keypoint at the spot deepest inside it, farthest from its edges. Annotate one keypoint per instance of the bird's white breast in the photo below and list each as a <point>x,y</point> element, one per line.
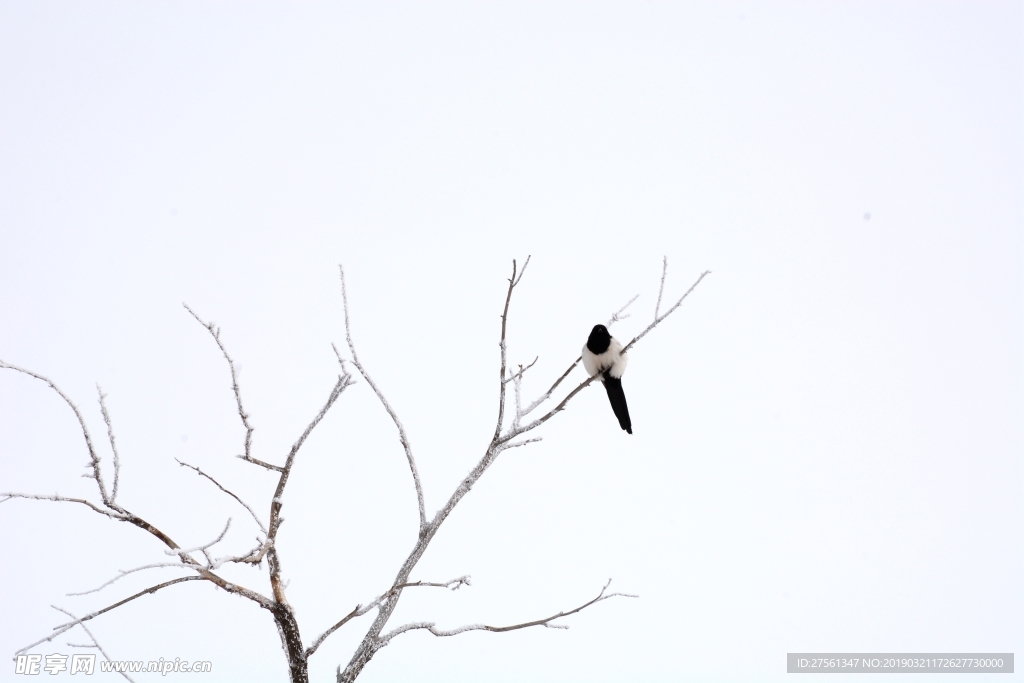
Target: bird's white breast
<point>613,360</point>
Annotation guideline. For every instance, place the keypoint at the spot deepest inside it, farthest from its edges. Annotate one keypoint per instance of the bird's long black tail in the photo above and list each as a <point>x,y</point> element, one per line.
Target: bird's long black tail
<point>613,385</point>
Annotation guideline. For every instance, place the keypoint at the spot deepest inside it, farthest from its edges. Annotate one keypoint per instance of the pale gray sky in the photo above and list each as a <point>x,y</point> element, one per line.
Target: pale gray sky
<point>827,436</point>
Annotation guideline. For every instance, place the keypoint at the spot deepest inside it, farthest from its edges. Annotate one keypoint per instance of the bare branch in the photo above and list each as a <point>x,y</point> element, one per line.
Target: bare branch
<point>522,272</point>
<point>522,370</point>
<point>217,484</point>
<point>93,458</point>
<point>661,288</point>
<point>113,444</point>
<point>63,628</point>
<point>215,333</point>
<point>403,438</point>
<point>125,572</point>
<point>254,556</point>
<point>432,628</point>
<point>511,434</point>
<point>115,511</point>
<point>275,505</point>
<point>546,395</point>
<point>372,640</point>
<point>340,386</point>
<point>95,643</point>
<point>360,610</point>
<point>266,465</point>
<point>512,282</point>
<point>618,315</point>
<point>182,552</point>
<point>62,499</point>
<point>666,314</point>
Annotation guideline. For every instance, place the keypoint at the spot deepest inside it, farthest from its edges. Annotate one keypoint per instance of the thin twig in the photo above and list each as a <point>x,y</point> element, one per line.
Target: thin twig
<point>94,460</point>
<point>666,314</point>
<point>547,394</point>
<point>661,288</point>
<point>125,572</point>
<point>62,499</point>
<point>512,282</point>
<point>430,626</point>
<point>181,552</point>
<point>522,370</point>
<point>618,315</point>
<point>215,333</point>
<point>63,628</point>
<point>403,438</point>
<point>113,444</point>
<point>360,610</point>
<point>95,643</point>
<point>275,505</point>
<point>217,484</point>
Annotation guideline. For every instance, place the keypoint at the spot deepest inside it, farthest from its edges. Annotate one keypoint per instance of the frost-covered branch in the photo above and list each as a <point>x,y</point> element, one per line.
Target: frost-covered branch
<point>522,370</point>
<point>403,438</point>
<point>667,313</point>
<point>512,282</point>
<point>125,572</point>
<point>432,628</point>
<point>64,628</point>
<point>63,499</point>
<point>344,380</point>
<point>94,460</point>
<point>661,288</point>
<point>547,394</point>
<point>360,610</point>
<point>182,552</point>
<point>506,446</point>
<point>113,443</point>
<point>217,484</point>
<point>215,333</point>
<point>119,513</point>
<point>619,314</point>
<point>95,643</point>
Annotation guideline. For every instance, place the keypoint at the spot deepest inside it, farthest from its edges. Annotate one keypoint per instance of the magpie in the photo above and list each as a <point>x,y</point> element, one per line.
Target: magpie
<point>603,355</point>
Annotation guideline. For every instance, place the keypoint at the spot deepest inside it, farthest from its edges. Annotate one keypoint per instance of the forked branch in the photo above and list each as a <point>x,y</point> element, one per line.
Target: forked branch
<point>360,610</point>
<point>94,460</point>
<point>667,313</point>
<point>403,438</point>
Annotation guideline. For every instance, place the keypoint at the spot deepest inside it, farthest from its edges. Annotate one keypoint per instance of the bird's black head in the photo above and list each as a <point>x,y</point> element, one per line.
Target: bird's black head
<point>599,340</point>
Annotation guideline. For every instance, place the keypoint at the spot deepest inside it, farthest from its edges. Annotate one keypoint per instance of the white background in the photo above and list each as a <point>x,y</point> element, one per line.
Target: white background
<point>828,434</point>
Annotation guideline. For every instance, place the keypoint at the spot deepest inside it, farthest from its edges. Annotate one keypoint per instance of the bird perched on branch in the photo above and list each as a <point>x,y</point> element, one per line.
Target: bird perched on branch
<point>603,355</point>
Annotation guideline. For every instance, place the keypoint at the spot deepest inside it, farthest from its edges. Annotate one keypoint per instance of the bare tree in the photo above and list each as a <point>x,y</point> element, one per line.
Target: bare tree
<point>512,429</point>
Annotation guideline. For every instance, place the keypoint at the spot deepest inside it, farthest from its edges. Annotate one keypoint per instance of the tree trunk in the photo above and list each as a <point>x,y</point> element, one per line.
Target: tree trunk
<point>292,641</point>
